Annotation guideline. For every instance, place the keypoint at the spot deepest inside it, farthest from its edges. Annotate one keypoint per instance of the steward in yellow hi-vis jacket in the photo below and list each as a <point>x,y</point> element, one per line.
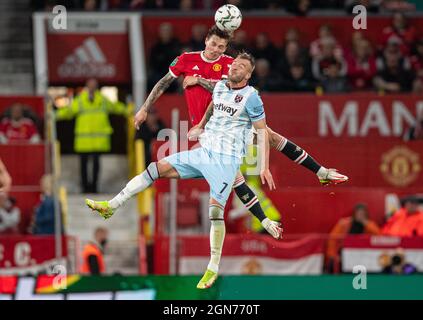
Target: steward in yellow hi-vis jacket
<point>92,129</point>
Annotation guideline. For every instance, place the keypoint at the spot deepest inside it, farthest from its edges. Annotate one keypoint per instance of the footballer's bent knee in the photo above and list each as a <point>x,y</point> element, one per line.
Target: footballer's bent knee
<point>216,210</point>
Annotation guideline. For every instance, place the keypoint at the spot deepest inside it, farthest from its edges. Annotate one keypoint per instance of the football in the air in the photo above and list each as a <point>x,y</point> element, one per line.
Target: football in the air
<point>228,18</point>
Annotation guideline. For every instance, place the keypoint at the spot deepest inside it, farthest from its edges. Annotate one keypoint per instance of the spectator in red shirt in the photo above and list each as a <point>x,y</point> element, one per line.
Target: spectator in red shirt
<point>401,31</point>
<point>407,221</point>
<point>361,66</point>
<point>18,128</point>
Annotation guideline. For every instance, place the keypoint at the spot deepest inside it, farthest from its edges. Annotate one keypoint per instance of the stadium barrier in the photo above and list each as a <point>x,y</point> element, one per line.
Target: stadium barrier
<point>74,287</point>
<point>25,162</point>
<point>24,255</point>
<point>300,254</point>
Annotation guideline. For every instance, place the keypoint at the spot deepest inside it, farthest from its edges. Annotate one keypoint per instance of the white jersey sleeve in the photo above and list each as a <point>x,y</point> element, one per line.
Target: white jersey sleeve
<point>254,107</point>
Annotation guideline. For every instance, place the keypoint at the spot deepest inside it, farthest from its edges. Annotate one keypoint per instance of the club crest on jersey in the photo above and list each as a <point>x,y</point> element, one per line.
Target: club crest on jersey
<point>238,98</point>
<point>217,67</point>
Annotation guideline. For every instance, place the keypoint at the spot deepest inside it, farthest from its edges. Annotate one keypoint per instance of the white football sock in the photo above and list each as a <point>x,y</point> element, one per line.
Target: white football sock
<point>217,236</point>
<point>136,185</point>
<point>270,227</point>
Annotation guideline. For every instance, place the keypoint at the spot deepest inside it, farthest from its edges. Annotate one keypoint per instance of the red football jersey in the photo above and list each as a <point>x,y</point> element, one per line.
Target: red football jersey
<point>197,65</point>
<point>24,130</point>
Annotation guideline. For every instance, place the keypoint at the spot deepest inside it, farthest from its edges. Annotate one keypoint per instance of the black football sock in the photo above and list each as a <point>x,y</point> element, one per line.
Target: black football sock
<point>248,198</point>
<point>298,155</point>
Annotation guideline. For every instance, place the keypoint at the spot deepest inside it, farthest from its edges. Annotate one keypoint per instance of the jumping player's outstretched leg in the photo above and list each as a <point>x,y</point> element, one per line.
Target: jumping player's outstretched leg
<point>217,237</point>
<point>139,183</point>
<point>249,199</point>
<point>300,156</point>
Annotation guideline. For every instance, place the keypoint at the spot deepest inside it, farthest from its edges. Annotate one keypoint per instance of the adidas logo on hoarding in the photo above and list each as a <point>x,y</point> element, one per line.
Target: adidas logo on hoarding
<point>87,60</point>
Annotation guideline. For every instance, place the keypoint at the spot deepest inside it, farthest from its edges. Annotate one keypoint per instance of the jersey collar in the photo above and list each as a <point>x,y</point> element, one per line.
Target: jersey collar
<point>207,60</point>
<point>227,85</point>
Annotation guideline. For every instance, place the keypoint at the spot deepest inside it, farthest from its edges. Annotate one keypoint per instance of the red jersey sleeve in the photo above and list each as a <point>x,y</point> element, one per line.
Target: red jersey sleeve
<point>177,67</point>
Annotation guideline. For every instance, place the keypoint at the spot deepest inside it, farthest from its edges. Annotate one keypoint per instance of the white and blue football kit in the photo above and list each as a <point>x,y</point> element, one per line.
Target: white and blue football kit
<point>224,140</point>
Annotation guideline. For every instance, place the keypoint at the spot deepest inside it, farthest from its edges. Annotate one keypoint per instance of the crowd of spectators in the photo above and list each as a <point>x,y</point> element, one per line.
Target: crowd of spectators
<point>393,65</point>
<point>407,221</point>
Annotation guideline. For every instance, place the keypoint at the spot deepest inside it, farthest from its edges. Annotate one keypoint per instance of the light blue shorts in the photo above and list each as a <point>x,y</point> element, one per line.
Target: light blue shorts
<point>218,169</point>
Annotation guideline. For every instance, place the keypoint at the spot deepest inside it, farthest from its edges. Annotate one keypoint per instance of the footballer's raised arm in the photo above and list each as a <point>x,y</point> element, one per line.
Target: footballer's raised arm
<point>176,68</point>
<point>160,87</point>
<point>157,91</point>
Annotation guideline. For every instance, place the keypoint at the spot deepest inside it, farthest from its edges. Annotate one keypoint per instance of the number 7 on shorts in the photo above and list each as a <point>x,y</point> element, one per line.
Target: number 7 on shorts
<point>224,187</point>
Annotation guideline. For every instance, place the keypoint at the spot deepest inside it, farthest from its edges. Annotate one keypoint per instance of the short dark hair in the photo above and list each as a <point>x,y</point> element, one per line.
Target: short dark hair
<point>249,57</point>
<point>215,31</point>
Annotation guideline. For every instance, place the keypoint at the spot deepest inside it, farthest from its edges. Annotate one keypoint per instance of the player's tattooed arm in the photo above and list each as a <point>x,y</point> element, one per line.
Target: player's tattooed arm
<point>160,87</point>
<point>207,84</point>
<point>157,91</point>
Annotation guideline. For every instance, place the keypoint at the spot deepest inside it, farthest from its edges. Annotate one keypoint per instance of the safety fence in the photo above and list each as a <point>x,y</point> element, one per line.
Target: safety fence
<point>345,287</point>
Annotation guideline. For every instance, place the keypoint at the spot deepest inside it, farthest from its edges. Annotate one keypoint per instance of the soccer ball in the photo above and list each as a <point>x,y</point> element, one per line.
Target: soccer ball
<point>228,18</point>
